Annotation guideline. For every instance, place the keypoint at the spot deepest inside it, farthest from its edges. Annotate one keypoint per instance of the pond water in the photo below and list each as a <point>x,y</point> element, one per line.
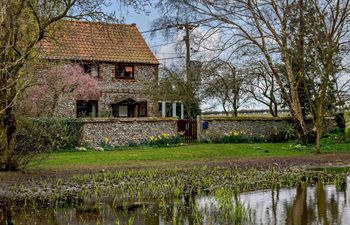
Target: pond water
<point>319,204</point>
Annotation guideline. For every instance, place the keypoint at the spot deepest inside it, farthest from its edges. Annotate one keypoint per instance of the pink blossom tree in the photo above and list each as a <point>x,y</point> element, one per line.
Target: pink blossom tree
<point>57,80</point>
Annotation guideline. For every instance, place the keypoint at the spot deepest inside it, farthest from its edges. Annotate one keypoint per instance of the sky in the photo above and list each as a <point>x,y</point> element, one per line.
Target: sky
<point>166,51</point>
<point>143,21</point>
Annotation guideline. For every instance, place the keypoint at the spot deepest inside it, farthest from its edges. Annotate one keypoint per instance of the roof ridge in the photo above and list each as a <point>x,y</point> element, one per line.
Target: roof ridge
<point>100,22</point>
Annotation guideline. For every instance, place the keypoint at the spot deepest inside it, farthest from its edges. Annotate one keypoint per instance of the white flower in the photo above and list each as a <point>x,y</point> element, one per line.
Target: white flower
<point>81,149</point>
<point>100,149</point>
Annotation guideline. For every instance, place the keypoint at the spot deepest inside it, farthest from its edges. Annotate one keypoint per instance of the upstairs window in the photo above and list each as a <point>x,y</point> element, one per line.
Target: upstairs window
<point>124,71</point>
<point>86,67</point>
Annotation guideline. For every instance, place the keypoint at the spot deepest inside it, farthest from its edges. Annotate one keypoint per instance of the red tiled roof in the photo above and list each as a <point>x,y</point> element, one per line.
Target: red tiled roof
<point>91,41</point>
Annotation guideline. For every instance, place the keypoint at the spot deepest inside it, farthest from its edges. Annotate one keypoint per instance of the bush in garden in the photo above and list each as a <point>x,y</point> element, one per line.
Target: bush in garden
<point>164,140</point>
<point>42,135</point>
<point>242,137</point>
<point>340,120</point>
<point>214,136</point>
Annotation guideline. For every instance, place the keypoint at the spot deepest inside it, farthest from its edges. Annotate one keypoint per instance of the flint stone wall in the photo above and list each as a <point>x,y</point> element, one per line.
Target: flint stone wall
<point>113,89</point>
<point>124,131</point>
<point>255,127</point>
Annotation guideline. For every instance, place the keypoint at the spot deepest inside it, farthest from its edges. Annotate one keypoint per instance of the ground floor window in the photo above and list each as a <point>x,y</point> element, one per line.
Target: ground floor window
<point>171,109</point>
<point>129,108</point>
<point>142,109</point>
<point>87,108</point>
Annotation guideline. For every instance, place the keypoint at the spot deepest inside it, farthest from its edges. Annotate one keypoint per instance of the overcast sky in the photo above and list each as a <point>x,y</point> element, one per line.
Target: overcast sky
<point>166,51</point>
<point>143,22</point>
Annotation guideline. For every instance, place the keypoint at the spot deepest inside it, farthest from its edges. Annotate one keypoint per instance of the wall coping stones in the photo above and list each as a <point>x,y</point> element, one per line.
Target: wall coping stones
<point>225,118</point>
<point>127,120</point>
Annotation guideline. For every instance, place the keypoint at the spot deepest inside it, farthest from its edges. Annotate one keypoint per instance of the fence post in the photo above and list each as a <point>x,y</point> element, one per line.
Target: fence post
<point>199,128</point>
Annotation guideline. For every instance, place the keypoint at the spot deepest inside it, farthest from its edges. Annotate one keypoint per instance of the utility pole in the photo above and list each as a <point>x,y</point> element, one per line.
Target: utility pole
<point>189,74</point>
<point>188,53</point>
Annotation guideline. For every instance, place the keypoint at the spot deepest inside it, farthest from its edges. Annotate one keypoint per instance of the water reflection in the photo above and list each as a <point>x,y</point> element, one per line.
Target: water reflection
<point>321,204</point>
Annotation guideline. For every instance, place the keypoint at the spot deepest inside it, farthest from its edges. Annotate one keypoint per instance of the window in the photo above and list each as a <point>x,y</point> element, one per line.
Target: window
<point>142,109</point>
<point>87,108</point>
<point>168,109</point>
<point>124,71</point>
<point>123,110</point>
<point>86,67</point>
<point>98,70</point>
<point>129,108</point>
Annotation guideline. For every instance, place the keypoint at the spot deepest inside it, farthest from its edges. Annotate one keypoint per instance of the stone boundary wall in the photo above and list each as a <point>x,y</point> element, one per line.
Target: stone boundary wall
<point>256,127</point>
<point>124,131</point>
<point>347,125</point>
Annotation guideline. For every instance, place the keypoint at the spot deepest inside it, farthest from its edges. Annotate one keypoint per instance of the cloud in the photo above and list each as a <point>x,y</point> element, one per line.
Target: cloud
<point>204,45</point>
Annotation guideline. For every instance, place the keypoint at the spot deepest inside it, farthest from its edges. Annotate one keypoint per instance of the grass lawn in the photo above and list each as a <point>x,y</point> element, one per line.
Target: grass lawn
<point>181,154</point>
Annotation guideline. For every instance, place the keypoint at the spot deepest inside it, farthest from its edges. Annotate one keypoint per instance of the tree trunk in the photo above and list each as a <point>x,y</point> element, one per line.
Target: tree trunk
<point>275,109</point>
<point>318,140</point>
<point>319,126</point>
<point>8,132</point>
<point>235,111</point>
<point>301,129</point>
<point>54,104</point>
<point>8,128</point>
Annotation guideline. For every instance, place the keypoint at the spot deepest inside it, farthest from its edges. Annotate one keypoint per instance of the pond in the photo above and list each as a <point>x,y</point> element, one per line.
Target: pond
<point>316,204</point>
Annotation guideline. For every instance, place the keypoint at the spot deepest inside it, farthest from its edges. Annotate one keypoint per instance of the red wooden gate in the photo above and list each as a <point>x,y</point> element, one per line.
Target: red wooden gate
<point>188,128</point>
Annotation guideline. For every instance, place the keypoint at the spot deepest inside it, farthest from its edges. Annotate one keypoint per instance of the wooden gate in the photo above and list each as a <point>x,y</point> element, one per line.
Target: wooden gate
<point>189,129</point>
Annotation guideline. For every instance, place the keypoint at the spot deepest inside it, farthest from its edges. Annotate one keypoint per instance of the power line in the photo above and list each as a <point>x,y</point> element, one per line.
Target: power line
<point>154,46</point>
<point>168,53</point>
<point>177,25</point>
<point>177,57</point>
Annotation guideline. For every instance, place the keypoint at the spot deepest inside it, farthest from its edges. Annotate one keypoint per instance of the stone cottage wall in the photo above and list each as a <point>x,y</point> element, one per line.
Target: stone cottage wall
<point>123,131</point>
<point>256,127</point>
<point>113,89</point>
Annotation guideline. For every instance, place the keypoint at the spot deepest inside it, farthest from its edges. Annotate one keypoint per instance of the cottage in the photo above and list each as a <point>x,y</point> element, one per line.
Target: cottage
<point>118,57</point>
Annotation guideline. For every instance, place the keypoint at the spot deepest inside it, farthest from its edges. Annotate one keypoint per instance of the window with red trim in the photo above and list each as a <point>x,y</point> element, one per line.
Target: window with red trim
<point>124,71</point>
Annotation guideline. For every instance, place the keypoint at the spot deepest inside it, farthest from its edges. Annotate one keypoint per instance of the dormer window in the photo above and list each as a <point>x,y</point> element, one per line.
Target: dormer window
<point>124,71</point>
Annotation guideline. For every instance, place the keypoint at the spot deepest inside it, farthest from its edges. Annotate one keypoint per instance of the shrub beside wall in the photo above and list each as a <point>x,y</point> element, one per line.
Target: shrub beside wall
<point>347,125</point>
<point>46,134</point>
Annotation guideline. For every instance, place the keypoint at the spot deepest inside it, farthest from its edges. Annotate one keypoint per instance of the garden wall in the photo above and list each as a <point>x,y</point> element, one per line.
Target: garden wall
<point>261,127</point>
<point>125,131</point>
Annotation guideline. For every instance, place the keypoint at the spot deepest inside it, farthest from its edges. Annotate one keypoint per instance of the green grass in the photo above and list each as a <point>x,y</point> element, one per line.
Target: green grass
<point>181,154</point>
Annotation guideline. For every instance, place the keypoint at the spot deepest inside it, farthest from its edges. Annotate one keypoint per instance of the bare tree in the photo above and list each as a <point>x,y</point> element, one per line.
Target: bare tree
<point>265,25</point>
<point>329,29</point>
<point>263,87</point>
<point>222,81</point>
<point>173,86</point>
<point>342,89</point>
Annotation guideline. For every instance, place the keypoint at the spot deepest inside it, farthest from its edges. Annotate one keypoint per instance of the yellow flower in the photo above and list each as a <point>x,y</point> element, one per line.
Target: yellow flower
<point>106,140</point>
<point>181,133</point>
<point>234,133</point>
<point>165,135</point>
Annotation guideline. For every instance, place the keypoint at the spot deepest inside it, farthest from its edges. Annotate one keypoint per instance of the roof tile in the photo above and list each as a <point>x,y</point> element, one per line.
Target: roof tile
<point>80,40</point>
